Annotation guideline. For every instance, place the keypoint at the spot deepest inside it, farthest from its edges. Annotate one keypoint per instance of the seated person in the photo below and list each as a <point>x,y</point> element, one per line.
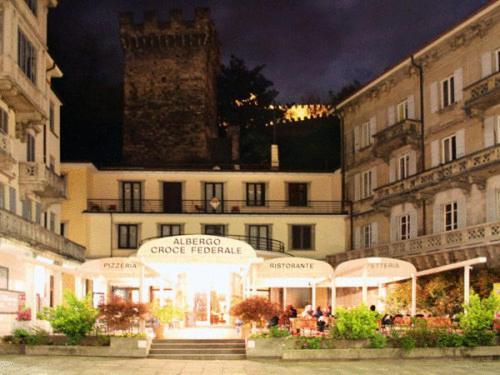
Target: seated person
<point>307,313</point>
<point>318,313</point>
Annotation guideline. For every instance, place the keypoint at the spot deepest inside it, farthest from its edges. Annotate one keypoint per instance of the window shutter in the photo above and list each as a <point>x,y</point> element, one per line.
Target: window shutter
<point>392,170</point>
<point>434,153</point>
<point>413,163</point>
<point>394,228</point>
<point>460,143</point>
<point>489,131</point>
<point>437,220</point>
<point>485,64</point>
<point>458,78</point>
<point>374,178</point>
<point>491,205</point>
<point>357,237</point>
<point>357,186</point>
<point>434,97</point>
<point>373,127</point>
<point>356,138</point>
<point>374,233</point>
<point>391,115</point>
<point>462,212</point>
<point>413,224</point>
<point>411,107</point>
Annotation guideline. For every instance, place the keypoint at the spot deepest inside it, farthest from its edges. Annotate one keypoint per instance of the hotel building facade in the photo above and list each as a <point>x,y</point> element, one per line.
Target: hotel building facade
<point>36,262</point>
<point>421,152</point>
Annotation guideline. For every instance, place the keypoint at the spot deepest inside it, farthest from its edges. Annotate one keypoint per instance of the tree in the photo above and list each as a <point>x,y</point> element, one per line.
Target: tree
<point>255,310</point>
<point>246,102</point>
<point>344,92</point>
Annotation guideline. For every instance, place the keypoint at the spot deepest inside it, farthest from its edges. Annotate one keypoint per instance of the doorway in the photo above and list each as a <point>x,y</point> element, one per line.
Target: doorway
<point>172,197</point>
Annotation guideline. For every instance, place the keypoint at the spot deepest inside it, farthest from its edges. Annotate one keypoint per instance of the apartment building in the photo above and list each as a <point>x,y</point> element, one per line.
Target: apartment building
<point>422,154</point>
<point>36,262</point>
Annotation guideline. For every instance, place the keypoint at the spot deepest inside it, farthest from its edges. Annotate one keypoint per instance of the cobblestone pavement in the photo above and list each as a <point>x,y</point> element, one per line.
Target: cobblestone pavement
<point>21,365</point>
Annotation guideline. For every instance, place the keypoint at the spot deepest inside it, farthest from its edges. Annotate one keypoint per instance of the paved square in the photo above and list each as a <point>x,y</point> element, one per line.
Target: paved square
<point>32,365</point>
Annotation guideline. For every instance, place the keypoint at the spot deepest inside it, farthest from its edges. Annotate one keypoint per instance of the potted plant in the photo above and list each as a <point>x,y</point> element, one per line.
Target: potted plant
<point>255,310</point>
<point>164,316</point>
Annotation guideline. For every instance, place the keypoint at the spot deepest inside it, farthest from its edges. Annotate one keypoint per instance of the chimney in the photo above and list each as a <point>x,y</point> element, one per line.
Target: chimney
<point>275,158</point>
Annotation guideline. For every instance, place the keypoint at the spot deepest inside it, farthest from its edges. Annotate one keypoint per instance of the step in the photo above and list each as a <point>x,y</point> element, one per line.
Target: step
<point>191,341</point>
<point>204,357</point>
<point>198,351</point>
<point>197,345</point>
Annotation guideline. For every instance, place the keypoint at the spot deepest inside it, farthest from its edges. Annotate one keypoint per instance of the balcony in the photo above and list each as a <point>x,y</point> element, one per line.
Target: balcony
<point>37,178</point>
<point>446,247</point>
<point>406,132</point>
<point>22,95</point>
<point>210,207</point>
<point>472,168</point>
<point>482,94</point>
<point>258,243</point>
<point>13,226</point>
<point>7,160</point>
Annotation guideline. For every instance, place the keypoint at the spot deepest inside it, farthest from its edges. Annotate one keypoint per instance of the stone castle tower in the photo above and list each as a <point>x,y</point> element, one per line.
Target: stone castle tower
<point>170,70</point>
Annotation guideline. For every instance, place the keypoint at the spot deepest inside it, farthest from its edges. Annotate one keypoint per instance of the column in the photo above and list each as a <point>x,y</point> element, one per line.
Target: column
<point>334,296</point>
<point>142,292</point>
<point>314,295</point>
<point>162,297</point>
<point>413,295</point>
<point>364,295</point>
<point>467,284</point>
<point>284,298</point>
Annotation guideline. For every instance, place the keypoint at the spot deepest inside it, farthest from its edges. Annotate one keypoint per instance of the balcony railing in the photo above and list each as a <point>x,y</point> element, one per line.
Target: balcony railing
<point>483,93</point>
<point>36,177</point>
<point>258,243</point>
<point>212,207</point>
<point>477,235</point>
<point>395,136</point>
<point>23,230</point>
<point>443,173</point>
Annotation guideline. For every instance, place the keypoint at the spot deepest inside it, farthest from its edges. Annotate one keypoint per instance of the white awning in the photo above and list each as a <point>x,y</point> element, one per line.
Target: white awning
<point>116,267</point>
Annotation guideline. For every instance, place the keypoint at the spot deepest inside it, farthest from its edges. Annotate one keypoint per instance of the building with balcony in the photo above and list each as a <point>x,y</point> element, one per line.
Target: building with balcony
<point>36,261</point>
<point>421,152</point>
<point>112,211</point>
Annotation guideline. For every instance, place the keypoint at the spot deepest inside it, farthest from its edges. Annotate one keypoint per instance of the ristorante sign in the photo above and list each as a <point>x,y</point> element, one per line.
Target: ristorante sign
<point>196,249</point>
<point>294,267</point>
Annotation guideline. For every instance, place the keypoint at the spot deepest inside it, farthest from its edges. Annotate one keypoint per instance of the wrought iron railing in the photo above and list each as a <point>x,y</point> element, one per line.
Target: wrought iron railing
<point>258,243</point>
<point>23,230</point>
<point>213,207</point>
<point>476,235</point>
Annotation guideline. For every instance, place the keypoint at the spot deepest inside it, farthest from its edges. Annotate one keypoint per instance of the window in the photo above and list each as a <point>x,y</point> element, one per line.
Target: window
<point>170,230</point>
<point>366,184</point>
<point>404,228</point>
<point>258,237</point>
<point>256,194</point>
<point>12,200</point>
<point>497,130</point>
<point>449,149</point>
<point>4,278</point>
<point>51,119</point>
<point>30,148</point>
<point>4,122</point>
<point>402,111</point>
<point>450,216</point>
<point>214,196</point>
<point>38,213</point>
<point>297,194</point>
<point>302,237</point>
<point>127,236</point>
<point>2,196</point>
<point>403,167</point>
<point>366,236</point>
<point>51,291</point>
<point>26,56</point>
<point>62,229</point>
<point>447,91</point>
<point>26,206</point>
<point>32,4</point>
<point>497,60</point>
<point>131,196</point>
<point>214,229</point>
<point>366,135</point>
<point>52,222</point>
<point>52,163</point>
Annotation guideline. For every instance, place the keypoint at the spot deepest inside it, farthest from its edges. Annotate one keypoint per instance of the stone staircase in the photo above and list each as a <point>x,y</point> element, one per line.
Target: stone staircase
<point>209,349</point>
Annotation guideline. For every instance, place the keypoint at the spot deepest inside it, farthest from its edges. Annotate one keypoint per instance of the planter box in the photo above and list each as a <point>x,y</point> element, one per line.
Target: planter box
<point>391,353</point>
<point>271,347</point>
<point>11,348</point>
<point>119,347</point>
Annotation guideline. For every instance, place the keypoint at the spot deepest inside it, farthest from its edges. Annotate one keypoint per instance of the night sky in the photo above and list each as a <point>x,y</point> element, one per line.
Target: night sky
<point>309,48</point>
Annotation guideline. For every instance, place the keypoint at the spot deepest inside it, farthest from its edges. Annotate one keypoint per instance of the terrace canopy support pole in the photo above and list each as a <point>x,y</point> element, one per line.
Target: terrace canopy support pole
<point>162,296</point>
<point>380,296</point>
<point>254,281</point>
<point>314,295</point>
<point>142,322</point>
<point>364,295</point>
<point>467,284</point>
<point>413,295</point>
<point>334,297</point>
<point>284,297</point>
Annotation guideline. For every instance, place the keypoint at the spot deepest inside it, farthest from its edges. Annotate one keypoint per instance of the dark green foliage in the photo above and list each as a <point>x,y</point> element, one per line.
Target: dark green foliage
<point>449,339</point>
<point>378,341</point>
<point>355,324</point>
<point>478,338</point>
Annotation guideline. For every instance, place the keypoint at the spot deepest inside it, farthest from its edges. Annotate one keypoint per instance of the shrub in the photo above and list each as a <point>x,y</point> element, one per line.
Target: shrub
<point>449,339</point>
<point>423,337</point>
<point>478,338</point>
<point>357,323</point>
<point>277,332</point>
<point>378,341</point>
<point>309,342</point>
<point>255,310</point>
<point>121,314</point>
<point>75,318</point>
<point>407,343</point>
<point>38,337</point>
<point>479,313</point>
<point>168,313</point>
<point>19,335</point>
